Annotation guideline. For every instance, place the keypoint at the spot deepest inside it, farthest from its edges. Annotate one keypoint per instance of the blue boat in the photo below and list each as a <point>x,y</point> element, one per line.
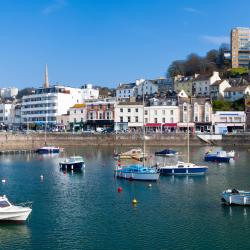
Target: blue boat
<point>166,152</point>
<point>138,172</point>
<point>48,150</point>
<point>220,156</point>
<point>73,163</point>
<point>182,168</point>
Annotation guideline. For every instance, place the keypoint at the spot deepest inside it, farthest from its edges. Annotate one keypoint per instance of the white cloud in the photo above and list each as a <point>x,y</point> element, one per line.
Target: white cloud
<point>216,40</point>
<point>192,10</point>
<point>54,6</point>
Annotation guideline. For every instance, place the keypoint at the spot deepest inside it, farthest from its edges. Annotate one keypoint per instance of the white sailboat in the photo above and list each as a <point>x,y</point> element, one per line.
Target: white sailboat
<point>184,168</point>
<point>138,171</point>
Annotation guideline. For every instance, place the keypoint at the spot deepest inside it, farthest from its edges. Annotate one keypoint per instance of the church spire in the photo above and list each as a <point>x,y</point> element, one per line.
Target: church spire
<point>46,77</point>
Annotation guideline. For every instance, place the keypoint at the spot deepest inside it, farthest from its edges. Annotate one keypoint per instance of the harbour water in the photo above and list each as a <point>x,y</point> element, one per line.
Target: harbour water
<point>85,211</point>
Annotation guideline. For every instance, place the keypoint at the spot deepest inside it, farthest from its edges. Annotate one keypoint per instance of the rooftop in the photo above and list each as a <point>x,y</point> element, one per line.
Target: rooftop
<point>236,88</point>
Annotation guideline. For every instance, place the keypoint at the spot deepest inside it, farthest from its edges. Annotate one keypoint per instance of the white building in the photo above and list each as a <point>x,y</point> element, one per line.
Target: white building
<point>78,116</point>
<point>201,84</point>
<point>157,118</point>
<point>89,92</point>
<point>48,103</point>
<point>217,89</point>
<point>8,92</point>
<point>126,90</point>
<point>237,92</point>
<point>148,87</point>
<point>6,114</point>
<point>128,116</point>
<point>229,121</point>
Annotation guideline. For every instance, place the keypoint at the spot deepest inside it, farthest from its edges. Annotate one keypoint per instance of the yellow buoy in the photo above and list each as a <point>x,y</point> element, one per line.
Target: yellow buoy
<point>134,201</point>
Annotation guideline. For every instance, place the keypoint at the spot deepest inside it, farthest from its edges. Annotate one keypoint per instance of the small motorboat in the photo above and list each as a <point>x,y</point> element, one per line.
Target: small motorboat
<point>11,213</point>
<point>220,156</point>
<point>166,152</point>
<point>236,197</point>
<point>182,168</point>
<point>137,172</point>
<point>131,154</point>
<point>48,150</point>
<point>73,163</point>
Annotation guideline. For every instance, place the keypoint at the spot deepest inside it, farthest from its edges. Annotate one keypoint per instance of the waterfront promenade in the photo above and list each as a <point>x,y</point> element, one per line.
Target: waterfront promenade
<point>31,141</point>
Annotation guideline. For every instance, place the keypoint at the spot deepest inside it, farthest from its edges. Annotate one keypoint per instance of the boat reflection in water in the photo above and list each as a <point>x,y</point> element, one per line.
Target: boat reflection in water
<point>12,236</point>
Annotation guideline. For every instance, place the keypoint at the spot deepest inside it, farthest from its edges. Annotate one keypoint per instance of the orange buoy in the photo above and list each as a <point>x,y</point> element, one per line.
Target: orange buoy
<point>119,189</point>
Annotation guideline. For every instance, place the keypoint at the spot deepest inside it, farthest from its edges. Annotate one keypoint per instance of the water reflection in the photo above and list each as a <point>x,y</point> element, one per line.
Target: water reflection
<point>235,210</point>
<point>14,234</point>
<point>187,179</point>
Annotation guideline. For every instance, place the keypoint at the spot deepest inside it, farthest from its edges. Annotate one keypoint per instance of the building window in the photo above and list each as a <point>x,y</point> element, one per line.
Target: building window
<point>146,112</point>
<point>81,119</point>
<point>121,119</point>
<point>121,110</point>
<point>163,112</point>
<point>163,120</point>
<point>155,112</point>
<point>74,120</point>
<point>129,119</point>
<point>82,111</point>
<point>136,110</point>
<point>196,118</point>
<point>185,108</point>
<point>171,112</point>
<point>100,116</point>
<point>155,120</point>
<point>75,111</point>
<point>171,119</point>
<point>136,119</point>
<point>129,110</point>
<point>146,120</point>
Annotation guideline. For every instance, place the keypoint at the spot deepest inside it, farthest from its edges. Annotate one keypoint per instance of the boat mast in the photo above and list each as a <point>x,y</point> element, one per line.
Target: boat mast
<point>188,131</point>
<point>45,127</point>
<point>143,124</point>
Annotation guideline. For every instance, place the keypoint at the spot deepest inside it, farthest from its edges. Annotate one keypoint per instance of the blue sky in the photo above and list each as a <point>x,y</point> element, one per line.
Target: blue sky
<point>105,42</point>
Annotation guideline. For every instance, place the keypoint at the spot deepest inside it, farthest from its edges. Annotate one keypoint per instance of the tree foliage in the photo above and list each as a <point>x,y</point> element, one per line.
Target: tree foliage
<point>222,105</point>
<point>195,64</point>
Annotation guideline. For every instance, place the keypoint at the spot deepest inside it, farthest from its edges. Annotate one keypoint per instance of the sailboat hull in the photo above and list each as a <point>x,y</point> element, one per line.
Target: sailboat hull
<point>48,151</point>
<point>138,176</point>
<point>183,171</point>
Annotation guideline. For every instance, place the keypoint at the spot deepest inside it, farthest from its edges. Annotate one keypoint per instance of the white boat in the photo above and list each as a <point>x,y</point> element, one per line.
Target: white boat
<point>9,212</point>
<point>236,197</point>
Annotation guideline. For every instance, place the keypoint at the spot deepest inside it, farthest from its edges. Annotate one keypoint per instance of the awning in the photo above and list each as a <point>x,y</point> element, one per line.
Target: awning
<point>170,125</point>
<point>153,125</point>
<point>203,123</point>
<point>185,125</point>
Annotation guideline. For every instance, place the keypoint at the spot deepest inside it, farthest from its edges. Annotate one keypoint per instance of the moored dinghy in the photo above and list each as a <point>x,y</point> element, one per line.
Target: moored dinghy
<point>72,163</point>
<point>236,197</point>
<point>166,152</point>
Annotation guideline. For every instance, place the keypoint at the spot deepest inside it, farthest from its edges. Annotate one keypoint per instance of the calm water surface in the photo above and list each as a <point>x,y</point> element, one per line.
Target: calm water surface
<point>85,211</point>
